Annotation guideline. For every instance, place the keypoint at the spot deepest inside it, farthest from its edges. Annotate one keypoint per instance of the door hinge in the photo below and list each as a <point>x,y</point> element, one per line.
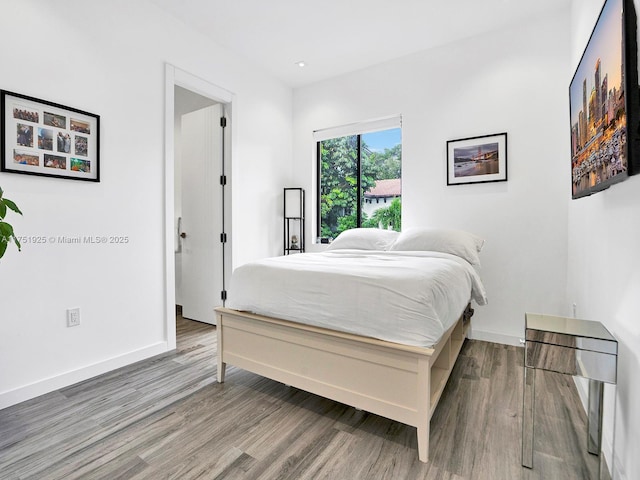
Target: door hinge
<point>223,179</point>
<point>223,122</point>
<point>223,295</point>
<point>223,238</point>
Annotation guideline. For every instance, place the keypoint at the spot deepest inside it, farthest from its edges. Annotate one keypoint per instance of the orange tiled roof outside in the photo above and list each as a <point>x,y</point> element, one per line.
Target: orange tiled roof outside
<point>385,188</point>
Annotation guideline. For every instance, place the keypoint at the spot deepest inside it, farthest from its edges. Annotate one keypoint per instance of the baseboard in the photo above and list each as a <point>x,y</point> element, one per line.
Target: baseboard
<point>618,470</point>
<point>494,337</point>
<point>27,392</point>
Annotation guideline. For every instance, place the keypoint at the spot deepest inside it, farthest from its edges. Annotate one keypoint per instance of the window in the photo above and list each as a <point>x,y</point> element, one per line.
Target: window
<point>359,178</point>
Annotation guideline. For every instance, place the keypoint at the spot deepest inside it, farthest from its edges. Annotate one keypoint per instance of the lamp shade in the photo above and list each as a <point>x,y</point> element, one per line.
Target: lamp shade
<point>293,202</point>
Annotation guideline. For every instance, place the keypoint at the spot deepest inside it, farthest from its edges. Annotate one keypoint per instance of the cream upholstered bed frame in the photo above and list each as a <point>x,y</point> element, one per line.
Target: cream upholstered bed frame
<point>399,382</point>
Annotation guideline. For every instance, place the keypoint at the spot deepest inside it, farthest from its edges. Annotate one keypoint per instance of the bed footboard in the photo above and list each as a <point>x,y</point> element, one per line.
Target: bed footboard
<point>343,367</point>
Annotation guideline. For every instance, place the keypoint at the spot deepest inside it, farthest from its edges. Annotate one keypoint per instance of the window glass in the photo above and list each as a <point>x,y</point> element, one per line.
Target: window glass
<point>339,171</point>
<point>360,182</point>
<point>381,179</point>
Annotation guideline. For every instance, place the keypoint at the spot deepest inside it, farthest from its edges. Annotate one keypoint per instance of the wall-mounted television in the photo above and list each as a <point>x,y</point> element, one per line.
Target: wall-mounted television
<point>605,103</point>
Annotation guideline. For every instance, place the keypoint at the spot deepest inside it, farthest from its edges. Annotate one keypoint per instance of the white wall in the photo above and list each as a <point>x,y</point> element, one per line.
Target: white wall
<point>512,81</point>
<point>604,272</point>
<point>109,58</point>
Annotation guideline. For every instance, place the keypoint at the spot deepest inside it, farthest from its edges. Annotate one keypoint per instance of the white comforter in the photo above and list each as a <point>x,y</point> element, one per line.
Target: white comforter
<point>404,297</point>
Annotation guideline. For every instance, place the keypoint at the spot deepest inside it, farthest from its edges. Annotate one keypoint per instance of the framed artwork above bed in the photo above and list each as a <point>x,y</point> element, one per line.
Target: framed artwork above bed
<point>477,159</point>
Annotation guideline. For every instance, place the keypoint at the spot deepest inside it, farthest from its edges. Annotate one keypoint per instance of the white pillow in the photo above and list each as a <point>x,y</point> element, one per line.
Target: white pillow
<point>364,239</point>
<point>456,242</point>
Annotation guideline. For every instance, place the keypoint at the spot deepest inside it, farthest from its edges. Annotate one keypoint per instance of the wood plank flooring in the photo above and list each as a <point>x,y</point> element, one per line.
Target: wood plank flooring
<point>167,418</point>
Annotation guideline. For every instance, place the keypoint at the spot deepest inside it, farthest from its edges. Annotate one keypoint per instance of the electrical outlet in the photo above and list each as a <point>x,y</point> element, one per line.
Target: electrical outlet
<point>575,310</point>
<point>73,317</point>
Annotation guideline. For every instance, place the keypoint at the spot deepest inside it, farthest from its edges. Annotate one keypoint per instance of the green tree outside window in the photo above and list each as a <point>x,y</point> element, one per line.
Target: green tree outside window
<point>343,161</point>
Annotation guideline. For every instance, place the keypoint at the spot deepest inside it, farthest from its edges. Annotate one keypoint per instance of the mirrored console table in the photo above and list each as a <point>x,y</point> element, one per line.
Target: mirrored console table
<point>575,347</point>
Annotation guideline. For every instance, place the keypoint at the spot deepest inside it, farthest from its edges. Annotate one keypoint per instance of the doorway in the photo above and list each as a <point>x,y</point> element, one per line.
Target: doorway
<point>198,205</point>
<point>197,172</point>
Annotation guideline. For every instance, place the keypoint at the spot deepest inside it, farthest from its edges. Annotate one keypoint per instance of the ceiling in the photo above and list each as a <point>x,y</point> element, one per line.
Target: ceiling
<point>335,37</point>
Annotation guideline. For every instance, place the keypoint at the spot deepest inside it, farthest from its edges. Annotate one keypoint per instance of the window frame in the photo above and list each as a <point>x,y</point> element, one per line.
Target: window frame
<point>354,129</point>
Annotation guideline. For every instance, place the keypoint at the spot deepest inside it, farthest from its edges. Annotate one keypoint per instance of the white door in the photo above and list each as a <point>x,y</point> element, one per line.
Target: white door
<point>201,225</point>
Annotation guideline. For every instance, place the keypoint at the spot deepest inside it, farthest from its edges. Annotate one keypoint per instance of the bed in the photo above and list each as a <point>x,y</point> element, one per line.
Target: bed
<point>320,321</point>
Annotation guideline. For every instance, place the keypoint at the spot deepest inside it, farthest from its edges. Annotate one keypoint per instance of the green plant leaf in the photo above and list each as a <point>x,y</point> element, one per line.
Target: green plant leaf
<point>6,230</point>
<point>3,246</point>
<point>11,205</point>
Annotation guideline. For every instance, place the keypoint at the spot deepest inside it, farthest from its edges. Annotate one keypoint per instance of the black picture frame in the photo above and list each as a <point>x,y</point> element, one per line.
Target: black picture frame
<point>481,159</point>
<point>604,103</point>
<point>42,138</point>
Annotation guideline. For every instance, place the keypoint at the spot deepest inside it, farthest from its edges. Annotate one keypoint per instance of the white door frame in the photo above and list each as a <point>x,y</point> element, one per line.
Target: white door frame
<point>174,76</point>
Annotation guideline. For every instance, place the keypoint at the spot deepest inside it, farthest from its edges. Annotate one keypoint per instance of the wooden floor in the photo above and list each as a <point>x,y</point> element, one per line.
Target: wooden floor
<point>168,418</point>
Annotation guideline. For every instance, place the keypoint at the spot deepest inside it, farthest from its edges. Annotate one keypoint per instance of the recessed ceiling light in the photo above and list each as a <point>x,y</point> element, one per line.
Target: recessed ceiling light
<point>301,63</point>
